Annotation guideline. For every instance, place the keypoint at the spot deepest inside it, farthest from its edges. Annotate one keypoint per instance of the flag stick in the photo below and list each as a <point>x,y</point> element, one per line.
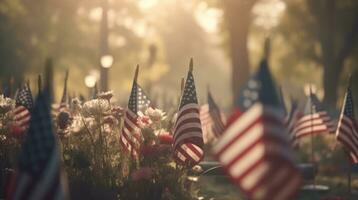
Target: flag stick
<point>182,84</point>
<point>349,178</point>
<point>311,131</point>
<point>191,65</point>
<point>28,86</point>
<point>95,91</point>
<point>11,86</point>
<point>39,83</point>
<point>267,48</point>
<point>349,166</point>
<point>65,87</point>
<point>136,73</point>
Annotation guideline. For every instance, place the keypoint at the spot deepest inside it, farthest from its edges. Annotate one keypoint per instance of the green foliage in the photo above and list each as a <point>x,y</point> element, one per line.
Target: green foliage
<point>302,33</point>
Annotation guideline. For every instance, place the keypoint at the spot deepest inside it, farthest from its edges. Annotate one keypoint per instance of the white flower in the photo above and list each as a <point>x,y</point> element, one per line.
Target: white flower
<point>155,115</point>
<point>159,132</point>
<point>105,95</point>
<point>91,123</point>
<point>6,104</point>
<point>2,137</point>
<point>95,107</point>
<point>76,101</point>
<point>77,124</point>
<point>197,169</point>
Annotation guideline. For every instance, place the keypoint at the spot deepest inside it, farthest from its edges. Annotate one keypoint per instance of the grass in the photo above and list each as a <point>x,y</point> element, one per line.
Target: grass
<point>220,188</point>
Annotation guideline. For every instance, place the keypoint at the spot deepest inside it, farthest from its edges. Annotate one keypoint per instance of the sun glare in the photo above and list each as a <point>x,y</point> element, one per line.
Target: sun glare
<point>146,4</point>
<point>208,18</point>
<point>268,12</point>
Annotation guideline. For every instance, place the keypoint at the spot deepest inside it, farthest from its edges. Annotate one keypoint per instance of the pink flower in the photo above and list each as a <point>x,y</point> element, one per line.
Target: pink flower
<point>117,112</point>
<point>142,173</point>
<point>144,121</point>
<point>165,138</point>
<point>110,120</point>
<point>148,150</point>
<point>16,131</point>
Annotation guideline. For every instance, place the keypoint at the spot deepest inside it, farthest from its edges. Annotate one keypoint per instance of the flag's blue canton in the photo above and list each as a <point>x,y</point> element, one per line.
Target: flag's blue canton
<point>138,100</point>
<point>142,99</point>
<point>24,98</point>
<point>282,100</point>
<point>6,91</point>
<point>132,103</point>
<point>316,103</point>
<point>189,95</point>
<point>259,88</point>
<point>348,110</point>
<point>211,102</point>
<point>40,140</point>
<point>313,105</point>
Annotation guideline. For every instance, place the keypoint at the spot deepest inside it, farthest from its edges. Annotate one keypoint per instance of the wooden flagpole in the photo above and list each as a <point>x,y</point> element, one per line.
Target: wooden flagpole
<point>349,178</point>
<point>39,83</point>
<point>349,175</point>
<point>311,132</point>
<point>182,84</point>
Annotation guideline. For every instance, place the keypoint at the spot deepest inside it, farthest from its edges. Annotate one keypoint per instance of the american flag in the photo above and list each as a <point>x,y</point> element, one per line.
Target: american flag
<point>347,129</point>
<point>216,115</point>
<point>212,119</point>
<point>188,137</point>
<point>24,104</point>
<point>39,174</point>
<point>63,106</point>
<point>138,101</point>
<point>206,122</point>
<point>292,118</point>
<point>254,149</point>
<point>282,100</point>
<point>315,120</point>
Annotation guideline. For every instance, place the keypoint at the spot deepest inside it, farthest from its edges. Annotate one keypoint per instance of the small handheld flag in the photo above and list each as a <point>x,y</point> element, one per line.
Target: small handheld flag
<point>24,104</point>
<point>254,148</point>
<point>188,136</point>
<point>314,121</point>
<point>347,128</point>
<point>138,101</point>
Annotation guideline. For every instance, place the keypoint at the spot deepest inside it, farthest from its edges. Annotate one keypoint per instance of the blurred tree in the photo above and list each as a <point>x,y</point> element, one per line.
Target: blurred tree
<point>68,31</point>
<point>237,15</point>
<point>323,32</point>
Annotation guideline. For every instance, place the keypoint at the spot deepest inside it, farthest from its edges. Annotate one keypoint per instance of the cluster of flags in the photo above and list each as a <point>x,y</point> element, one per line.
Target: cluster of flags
<point>254,145</point>
<point>188,140</point>
<point>39,174</point>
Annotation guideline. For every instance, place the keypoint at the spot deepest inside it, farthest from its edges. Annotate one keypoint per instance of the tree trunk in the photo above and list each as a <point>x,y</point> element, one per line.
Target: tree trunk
<point>331,74</point>
<point>332,59</point>
<point>327,34</point>
<point>238,20</point>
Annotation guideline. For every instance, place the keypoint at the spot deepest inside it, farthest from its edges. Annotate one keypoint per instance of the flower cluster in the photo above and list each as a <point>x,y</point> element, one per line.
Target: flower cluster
<point>155,175</point>
<point>6,104</point>
<point>89,134</point>
<point>6,117</point>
